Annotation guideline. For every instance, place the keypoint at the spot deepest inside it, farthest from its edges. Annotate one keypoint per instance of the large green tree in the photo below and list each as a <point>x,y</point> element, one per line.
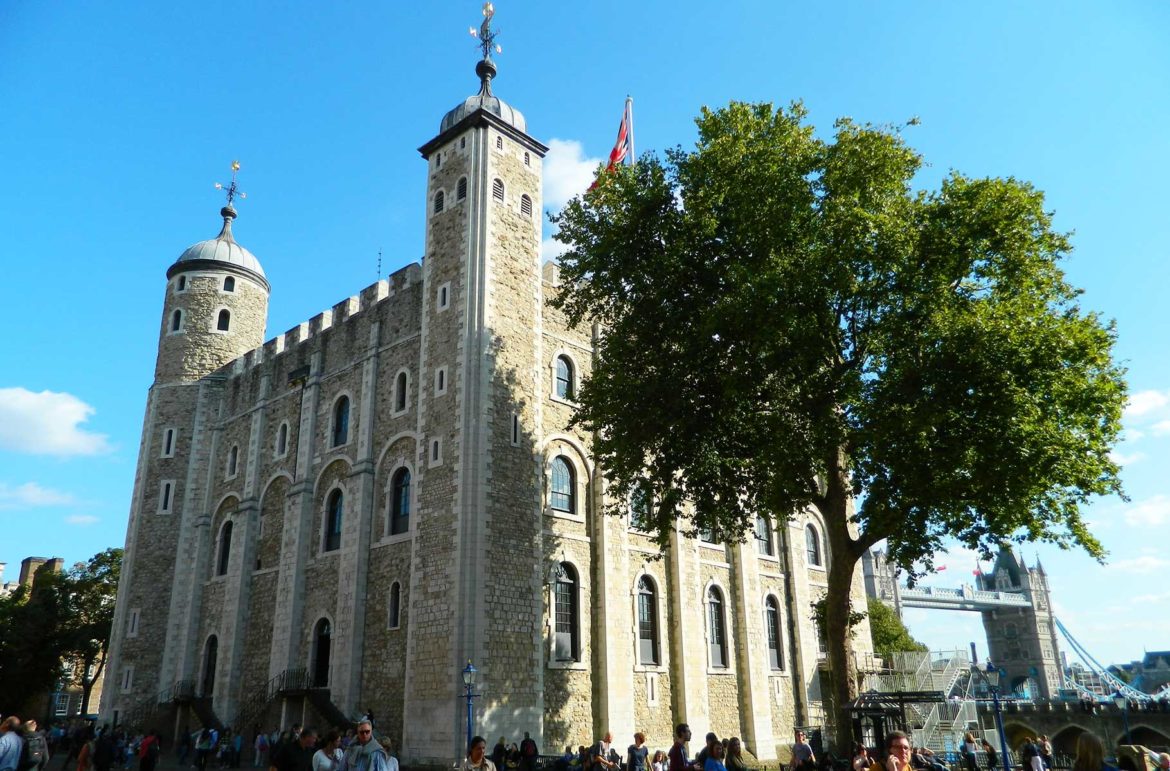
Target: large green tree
<point>789,325</point>
<point>56,628</point>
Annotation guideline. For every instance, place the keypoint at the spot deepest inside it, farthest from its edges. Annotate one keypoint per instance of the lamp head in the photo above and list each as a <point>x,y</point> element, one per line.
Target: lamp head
<point>1118,700</point>
<point>469,673</point>
<point>992,675</point>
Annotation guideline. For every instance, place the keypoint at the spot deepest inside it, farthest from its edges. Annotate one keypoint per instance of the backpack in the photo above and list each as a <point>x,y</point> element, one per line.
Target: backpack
<point>152,750</point>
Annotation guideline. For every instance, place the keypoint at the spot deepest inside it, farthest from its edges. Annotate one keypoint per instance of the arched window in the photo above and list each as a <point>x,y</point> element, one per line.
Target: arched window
<point>498,189</point>
<point>527,160</point>
<point>438,202</point>
<point>229,284</point>
<point>764,536</point>
<point>341,421</point>
<point>233,463</point>
<point>647,622</point>
<point>526,206</point>
<point>333,511</point>
<point>401,387</point>
<point>461,189</point>
<point>210,654</point>
<point>772,627</point>
<point>716,628</point>
<point>499,143</point>
<point>282,439</point>
<point>322,642</point>
<point>812,545</point>
<point>563,496</point>
<point>394,606</point>
<point>564,381</point>
<point>400,502</point>
<point>640,508</point>
<point>566,612</point>
<point>224,320</point>
<point>177,321</point>
<point>225,549</point>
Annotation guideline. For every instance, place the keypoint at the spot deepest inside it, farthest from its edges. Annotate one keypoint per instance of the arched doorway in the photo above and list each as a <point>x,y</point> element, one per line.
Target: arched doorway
<point>210,654</point>
<point>1148,737</point>
<point>1064,741</point>
<point>322,633</point>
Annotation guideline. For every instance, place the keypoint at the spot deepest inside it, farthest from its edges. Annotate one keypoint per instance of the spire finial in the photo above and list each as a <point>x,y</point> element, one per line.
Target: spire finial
<point>486,68</point>
<point>233,191</point>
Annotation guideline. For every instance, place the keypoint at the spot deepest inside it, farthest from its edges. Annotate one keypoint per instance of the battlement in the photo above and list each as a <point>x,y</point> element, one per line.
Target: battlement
<point>341,313</point>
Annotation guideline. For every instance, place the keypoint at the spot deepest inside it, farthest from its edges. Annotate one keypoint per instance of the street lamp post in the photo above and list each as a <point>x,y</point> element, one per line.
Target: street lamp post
<point>990,675</point>
<point>469,674</point>
<point>1122,703</point>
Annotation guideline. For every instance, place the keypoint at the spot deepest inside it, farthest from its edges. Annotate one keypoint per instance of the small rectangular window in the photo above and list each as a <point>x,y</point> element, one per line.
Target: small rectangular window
<point>168,448</point>
<point>443,298</point>
<point>132,624</point>
<point>127,679</point>
<point>440,381</point>
<point>436,452</point>
<point>166,496</point>
<point>651,689</point>
<point>499,143</point>
<point>515,430</point>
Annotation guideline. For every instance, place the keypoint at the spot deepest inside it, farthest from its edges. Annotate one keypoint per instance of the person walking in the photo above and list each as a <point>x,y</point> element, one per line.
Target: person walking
<point>992,755</point>
<point>329,756</point>
<point>678,751</point>
<point>1090,754</point>
<point>36,747</point>
<point>11,745</point>
<point>365,754</point>
<point>528,753</point>
<point>637,753</point>
<point>296,754</point>
<point>734,760</point>
<point>148,751</point>
<point>477,759</point>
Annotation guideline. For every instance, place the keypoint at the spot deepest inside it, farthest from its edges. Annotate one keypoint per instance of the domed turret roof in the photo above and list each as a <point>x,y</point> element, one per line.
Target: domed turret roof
<point>223,248</point>
<point>484,100</point>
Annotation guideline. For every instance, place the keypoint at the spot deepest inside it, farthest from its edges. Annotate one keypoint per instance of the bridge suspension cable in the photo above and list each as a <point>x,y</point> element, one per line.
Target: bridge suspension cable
<point>1122,687</point>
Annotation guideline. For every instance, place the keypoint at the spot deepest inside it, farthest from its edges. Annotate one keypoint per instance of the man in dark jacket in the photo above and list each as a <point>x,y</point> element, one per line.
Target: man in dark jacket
<point>36,746</point>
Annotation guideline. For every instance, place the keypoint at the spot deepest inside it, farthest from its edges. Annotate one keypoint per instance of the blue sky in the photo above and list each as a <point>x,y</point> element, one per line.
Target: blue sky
<point>119,117</point>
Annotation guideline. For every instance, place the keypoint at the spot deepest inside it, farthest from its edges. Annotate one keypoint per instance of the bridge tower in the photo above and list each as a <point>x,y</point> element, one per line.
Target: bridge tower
<point>1022,641</point>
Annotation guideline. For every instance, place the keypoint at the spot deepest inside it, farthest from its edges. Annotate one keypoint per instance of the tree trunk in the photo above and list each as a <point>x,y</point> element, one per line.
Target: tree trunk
<point>839,638</point>
<point>843,554</point>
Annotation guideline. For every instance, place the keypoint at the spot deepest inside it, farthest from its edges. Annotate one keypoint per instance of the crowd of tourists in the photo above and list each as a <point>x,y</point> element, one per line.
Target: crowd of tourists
<point>24,747</point>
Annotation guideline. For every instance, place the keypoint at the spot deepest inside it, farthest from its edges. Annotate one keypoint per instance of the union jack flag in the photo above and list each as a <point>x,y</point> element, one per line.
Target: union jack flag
<point>625,139</point>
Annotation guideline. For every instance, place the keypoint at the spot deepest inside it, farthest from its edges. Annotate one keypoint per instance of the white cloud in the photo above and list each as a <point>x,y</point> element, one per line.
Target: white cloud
<point>47,423</point>
<point>81,519</point>
<point>551,249</point>
<point>1133,435</point>
<point>1151,512</point>
<point>1161,428</point>
<point>1121,459</point>
<point>1142,565</point>
<point>31,494</point>
<point>567,172</point>
<point>1145,402</point>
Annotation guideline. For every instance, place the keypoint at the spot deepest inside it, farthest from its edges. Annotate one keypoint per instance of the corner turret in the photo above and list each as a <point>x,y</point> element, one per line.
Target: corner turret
<point>216,307</point>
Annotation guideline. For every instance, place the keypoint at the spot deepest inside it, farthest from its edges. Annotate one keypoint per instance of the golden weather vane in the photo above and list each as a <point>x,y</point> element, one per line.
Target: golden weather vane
<point>232,190</point>
<point>485,33</point>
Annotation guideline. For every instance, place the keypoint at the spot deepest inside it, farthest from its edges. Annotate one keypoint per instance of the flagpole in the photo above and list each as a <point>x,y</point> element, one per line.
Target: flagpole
<point>630,113</point>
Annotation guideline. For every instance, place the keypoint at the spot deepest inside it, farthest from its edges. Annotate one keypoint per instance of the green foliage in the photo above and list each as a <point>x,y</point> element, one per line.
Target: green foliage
<point>63,617</point>
<point>789,325</point>
<point>889,634</point>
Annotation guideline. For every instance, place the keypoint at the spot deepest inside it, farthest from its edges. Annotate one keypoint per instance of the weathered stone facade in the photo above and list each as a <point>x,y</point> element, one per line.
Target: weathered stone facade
<point>289,541</point>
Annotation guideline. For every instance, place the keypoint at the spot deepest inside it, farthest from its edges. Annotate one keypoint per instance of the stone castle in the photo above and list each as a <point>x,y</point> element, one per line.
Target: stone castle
<point>336,521</point>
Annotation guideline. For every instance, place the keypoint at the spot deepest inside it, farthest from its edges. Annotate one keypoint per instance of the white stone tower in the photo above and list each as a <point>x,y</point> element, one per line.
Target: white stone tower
<point>482,307</point>
<point>214,310</point>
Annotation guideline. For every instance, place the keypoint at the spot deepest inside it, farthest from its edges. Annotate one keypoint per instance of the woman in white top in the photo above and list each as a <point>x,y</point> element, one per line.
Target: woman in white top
<point>328,757</point>
<point>477,759</point>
